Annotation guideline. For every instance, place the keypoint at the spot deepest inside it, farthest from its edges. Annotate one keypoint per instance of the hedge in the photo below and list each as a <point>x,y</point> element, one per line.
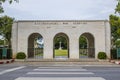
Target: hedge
<point>20,55</point>
<point>102,55</point>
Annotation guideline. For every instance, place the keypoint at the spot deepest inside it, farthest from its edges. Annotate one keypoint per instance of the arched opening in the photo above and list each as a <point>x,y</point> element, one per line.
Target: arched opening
<point>35,46</point>
<point>86,46</point>
<point>61,46</point>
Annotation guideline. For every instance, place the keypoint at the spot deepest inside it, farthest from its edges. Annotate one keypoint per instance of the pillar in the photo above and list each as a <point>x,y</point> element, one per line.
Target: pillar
<point>74,47</point>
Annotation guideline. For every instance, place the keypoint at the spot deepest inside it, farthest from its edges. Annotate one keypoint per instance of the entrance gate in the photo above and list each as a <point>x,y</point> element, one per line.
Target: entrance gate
<point>87,53</point>
<point>35,46</point>
<point>36,53</point>
<point>61,46</point>
<point>86,46</point>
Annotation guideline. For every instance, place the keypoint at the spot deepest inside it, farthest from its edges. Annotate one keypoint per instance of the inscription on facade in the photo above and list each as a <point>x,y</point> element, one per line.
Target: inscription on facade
<point>45,23</point>
<point>58,23</point>
<point>79,23</point>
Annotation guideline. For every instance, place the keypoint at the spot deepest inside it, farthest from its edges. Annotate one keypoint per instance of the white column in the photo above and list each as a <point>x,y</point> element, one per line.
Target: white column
<point>14,39</point>
<point>74,48</point>
<point>48,48</point>
<point>108,38</point>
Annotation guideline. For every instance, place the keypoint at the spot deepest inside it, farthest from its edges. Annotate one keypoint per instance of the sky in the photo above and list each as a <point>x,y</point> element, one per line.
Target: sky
<point>60,9</point>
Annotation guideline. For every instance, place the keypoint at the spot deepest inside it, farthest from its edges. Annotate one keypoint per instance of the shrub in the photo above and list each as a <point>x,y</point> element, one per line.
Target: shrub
<point>21,55</point>
<point>102,55</point>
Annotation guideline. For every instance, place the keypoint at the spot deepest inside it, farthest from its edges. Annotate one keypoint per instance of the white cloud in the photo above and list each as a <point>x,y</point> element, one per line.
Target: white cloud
<point>60,9</point>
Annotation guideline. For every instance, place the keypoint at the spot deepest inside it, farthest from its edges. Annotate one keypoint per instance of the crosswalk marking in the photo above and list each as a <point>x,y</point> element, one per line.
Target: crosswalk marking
<point>57,67</point>
<point>60,78</point>
<point>60,73</point>
<point>40,73</point>
<point>60,70</point>
<point>10,70</point>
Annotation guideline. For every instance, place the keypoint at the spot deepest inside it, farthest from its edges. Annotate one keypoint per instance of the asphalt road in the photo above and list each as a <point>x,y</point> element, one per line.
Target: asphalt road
<point>26,72</point>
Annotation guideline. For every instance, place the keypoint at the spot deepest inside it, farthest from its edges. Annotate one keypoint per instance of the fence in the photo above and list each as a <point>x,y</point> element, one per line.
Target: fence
<point>35,53</point>
<point>5,53</point>
<point>114,54</point>
<point>87,53</point>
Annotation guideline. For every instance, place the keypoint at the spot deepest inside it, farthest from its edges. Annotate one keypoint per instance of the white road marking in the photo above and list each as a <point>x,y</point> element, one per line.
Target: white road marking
<point>60,73</point>
<point>57,67</point>
<point>60,70</point>
<point>10,70</point>
<point>60,78</point>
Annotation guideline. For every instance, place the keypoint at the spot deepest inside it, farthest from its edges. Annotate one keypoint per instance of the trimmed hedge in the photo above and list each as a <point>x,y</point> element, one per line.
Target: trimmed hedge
<point>20,55</point>
<point>102,55</point>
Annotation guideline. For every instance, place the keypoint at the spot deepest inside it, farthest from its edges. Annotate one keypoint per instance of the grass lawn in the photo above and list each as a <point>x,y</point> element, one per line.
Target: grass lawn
<point>40,54</point>
<point>61,52</point>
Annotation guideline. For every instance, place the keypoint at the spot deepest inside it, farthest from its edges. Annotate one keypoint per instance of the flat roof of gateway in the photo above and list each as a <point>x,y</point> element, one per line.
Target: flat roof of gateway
<point>62,20</point>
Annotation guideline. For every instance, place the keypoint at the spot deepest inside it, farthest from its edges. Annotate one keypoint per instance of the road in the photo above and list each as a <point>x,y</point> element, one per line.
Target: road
<point>26,72</point>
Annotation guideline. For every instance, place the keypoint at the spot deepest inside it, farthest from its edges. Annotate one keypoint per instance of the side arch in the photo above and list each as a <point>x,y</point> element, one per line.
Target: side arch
<point>89,49</point>
<point>35,45</point>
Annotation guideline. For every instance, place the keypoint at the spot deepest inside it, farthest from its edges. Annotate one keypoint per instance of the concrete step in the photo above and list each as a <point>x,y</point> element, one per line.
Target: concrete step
<point>62,60</point>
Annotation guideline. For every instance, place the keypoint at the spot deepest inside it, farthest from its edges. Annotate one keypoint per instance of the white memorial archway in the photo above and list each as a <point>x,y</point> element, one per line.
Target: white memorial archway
<point>97,32</point>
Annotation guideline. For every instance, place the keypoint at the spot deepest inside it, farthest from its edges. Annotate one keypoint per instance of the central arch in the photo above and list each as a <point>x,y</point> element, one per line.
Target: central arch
<point>35,46</point>
<point>87,46</point>
<point>61,46</point>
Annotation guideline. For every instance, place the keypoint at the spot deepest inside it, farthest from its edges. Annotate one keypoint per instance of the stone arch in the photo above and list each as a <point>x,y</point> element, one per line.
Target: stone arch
<point>34,47</point>
<point>90,47</point>
<point>66,38</point>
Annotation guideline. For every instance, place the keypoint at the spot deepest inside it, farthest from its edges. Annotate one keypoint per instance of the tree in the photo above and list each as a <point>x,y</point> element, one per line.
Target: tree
<point>2,1</point>
<point>1,42</point>
<point>6,28</point>
<point>6,23</point>
<point>82,42</point>
<point>115,29</point>
<point>117,9</point>
<point>63,41</point>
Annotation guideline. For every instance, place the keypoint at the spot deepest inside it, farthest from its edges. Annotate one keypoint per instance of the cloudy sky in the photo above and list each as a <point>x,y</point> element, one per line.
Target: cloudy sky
<point>60,9</point>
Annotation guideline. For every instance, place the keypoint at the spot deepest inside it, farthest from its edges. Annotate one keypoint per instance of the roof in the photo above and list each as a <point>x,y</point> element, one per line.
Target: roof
<point>62,21</point>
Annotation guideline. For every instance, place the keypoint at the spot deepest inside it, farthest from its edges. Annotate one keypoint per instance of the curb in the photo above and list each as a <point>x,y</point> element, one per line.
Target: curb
<point>7,61</point>
<point>115,62</point>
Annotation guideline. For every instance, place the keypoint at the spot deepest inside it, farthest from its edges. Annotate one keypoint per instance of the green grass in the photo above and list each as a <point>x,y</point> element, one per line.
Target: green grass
<point>39,54</point>
<point>61,52</point>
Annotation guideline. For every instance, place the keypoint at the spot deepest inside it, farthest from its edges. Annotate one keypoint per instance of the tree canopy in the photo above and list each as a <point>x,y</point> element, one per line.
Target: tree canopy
<point>115,29</point>
<point>6,24</point>
<point>63,41</point>
<point>6,28</point>
<point>2,1</point>
<point>83,42</point>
